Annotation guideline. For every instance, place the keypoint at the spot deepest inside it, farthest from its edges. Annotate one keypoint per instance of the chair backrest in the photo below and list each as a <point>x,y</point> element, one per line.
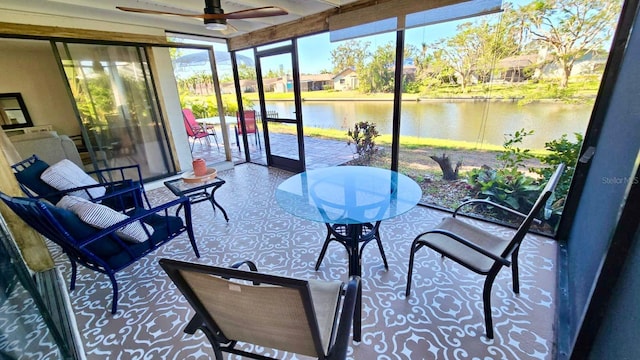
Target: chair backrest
<point>539,204</point>
<point>278,313</point>
<point>249,122</point>
<point>190,123</point>
<point>28,172</point>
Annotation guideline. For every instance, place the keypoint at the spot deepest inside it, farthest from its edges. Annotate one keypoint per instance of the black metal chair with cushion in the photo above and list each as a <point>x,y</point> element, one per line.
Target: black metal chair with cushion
<point>101,238</point>
<point>29,173</point>
<point>305,317</point>
<point>480,251</point>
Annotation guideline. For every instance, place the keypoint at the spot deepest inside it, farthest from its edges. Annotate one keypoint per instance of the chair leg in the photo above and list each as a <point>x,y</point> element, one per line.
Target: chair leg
<point>192,238</point>
<point>114,284</point>
<point>213,340</point>
<point>415,246</point>
<point>514,272</point>
<point>486,299</point>
<point>215,137</point>
<point>74,273</point>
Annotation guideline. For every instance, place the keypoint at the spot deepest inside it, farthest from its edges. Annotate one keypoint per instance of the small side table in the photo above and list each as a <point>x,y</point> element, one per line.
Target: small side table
<point>198,192</point>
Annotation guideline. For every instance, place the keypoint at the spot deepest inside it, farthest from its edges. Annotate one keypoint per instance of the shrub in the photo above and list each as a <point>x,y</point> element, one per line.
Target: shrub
<point>508,185</point>
<point>362,136</point>
<point>512,156</point>
<point>560,151</point>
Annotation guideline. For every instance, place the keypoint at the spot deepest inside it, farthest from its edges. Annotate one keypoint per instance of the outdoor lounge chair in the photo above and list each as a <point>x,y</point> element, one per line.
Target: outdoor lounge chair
<point>479,251</point>
<point>28,172</point>
<point>101,238</point>
<point>307,317</point>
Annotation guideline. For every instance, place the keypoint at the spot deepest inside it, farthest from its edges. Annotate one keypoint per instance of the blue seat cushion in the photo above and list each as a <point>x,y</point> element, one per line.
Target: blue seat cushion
<point>163,226</point>
<point>126,201</point>
<point>108,249</point>
<point>30,177</point>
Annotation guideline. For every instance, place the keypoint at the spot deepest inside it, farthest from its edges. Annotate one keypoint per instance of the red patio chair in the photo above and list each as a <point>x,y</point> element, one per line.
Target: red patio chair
<point>250,125</point>
<point>196,131</point>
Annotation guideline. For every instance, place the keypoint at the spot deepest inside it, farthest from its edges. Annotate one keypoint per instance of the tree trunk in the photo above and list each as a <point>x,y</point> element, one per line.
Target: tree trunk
<point>448,172</point>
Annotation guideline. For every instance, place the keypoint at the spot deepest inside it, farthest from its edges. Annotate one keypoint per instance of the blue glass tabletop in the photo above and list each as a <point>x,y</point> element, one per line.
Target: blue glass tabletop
<point>348,194</point>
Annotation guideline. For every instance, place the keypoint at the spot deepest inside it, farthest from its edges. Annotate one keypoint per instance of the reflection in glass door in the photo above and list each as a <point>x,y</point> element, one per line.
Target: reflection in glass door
<point>277,72</point>
<point>113,91</point>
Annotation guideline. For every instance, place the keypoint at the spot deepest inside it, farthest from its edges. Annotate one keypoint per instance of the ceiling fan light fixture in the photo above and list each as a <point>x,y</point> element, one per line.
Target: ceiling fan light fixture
<point>216,26</point>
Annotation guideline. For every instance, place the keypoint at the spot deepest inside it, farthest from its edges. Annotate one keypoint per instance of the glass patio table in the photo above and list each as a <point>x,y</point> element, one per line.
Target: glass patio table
<point>352,196</point>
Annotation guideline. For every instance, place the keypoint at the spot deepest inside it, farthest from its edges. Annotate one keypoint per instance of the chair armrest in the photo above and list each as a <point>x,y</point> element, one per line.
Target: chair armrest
<point>109,173</point>
<point>339,348</point>
<point>469,244</point>
<point>138,217</point>
<point>491,203</point>
<point>252,266</point>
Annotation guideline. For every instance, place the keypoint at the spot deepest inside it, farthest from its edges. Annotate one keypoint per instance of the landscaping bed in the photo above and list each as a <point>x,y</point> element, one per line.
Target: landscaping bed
<point>417,164</point>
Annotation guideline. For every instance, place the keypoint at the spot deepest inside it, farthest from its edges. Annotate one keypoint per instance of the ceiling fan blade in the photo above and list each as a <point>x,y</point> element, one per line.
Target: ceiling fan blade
<point>242,14</point>
<point>155,12</point>
<point>257,13</point>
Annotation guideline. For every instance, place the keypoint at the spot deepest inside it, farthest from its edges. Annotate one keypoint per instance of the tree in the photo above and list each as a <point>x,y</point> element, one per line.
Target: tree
<point>571,28</point>
<point>462,52</point>
<point>350,54</point>
<point>246,72</point>
<point>448,172</point>
<point>422,60</point>
<point>378,74</point>
<point>475,48</point>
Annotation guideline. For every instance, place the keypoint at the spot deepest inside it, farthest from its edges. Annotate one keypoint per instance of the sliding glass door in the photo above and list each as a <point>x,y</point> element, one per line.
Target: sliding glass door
<point>115,99</point>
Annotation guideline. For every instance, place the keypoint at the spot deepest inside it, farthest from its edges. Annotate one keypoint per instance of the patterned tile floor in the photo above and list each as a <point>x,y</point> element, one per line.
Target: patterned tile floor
<point>442,319</point>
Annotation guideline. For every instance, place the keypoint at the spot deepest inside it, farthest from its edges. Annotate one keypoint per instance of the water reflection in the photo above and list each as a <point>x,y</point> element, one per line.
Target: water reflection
<point>481,122</point>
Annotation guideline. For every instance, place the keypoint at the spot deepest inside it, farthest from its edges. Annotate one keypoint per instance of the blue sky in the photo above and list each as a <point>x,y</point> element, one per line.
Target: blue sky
<point>315,51</point>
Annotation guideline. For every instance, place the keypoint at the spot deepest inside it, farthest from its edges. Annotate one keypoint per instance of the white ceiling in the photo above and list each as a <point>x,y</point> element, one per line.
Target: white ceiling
<point>105,10</point>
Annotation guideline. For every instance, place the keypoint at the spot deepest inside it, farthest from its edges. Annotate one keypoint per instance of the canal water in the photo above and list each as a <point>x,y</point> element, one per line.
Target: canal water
<point>479,122</point>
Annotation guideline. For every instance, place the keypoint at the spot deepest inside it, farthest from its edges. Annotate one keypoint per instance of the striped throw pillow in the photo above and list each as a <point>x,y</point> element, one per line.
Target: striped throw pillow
<point>65,175</point>
<point>101,217</point>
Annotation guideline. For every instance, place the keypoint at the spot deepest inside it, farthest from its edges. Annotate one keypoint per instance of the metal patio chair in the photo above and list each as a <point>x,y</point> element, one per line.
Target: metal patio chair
<point>480,251</point>
<point>307,317</point>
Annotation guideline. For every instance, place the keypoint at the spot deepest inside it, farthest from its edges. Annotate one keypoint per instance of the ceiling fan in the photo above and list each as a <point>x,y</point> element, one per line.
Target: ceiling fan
<point>214,17</point>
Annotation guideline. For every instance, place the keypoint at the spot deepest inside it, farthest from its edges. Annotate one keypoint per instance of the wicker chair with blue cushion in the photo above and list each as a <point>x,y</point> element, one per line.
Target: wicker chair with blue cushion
<point>101,238</point>
<point>29,173</point>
